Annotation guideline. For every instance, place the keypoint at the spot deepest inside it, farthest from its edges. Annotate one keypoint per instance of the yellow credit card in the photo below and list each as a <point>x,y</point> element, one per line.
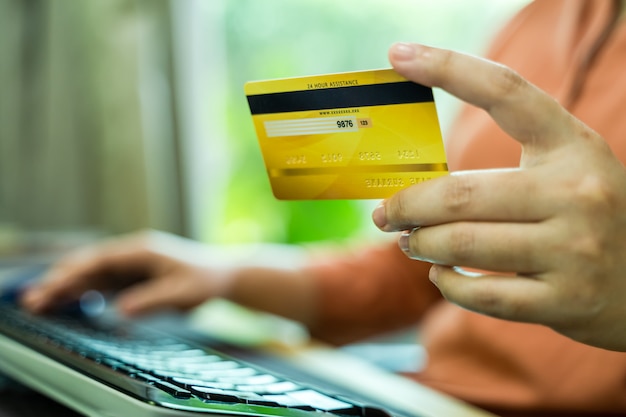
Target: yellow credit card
<point>356,135</point>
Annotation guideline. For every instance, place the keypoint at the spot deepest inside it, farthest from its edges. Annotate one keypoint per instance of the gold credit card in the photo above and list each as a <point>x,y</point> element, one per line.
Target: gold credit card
<point>355,135</point>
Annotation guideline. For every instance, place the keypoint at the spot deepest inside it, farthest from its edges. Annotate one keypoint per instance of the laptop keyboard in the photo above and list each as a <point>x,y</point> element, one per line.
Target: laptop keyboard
<point>171,372</point>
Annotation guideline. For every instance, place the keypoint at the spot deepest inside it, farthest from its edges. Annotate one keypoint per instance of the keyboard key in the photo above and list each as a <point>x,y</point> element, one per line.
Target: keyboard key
<point>188,382</point>
<point>215,394</point>
<point>191,360</point>
<point>276,388</point>
<point>366,410</point>
<point>255,399</point>
<point>215,366</point>
<point>224,373</point>
<point>323,402</point>
<point>287,401</point>
<point>172,389</point>
<point>260,379</point>
<point>170,374</point>
<point>281,387</point>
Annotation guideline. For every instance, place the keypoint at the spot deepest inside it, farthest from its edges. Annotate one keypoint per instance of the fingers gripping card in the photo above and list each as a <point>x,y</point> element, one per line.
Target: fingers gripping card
<point>356,135</point>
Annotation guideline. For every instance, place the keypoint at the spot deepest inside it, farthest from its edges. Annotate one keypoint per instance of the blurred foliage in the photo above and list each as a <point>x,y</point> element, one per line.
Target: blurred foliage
<point>286,38</point>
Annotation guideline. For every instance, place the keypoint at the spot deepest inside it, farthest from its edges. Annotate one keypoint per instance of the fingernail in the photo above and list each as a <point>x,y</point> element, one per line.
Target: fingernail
<point>379,216</point>
<point>433,274</point>
<point>403,51</point>
<point>403,242</point>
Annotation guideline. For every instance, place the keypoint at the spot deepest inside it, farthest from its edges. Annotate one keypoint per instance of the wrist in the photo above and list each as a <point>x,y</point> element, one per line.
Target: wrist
<point>287,293</point>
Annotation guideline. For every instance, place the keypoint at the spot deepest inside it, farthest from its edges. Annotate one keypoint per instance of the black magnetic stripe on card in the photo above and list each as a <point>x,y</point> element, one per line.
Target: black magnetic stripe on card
<point>341,97</point>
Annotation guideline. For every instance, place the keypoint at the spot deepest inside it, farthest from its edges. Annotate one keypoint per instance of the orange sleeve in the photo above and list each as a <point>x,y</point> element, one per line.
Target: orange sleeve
<point>514,369</point>
<point>518,369</point>
<point>368,292</point>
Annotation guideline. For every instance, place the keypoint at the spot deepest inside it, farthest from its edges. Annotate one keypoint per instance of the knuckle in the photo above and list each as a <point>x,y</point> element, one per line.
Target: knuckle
<point>144,242</point>
<point>589,249</point>
<point>596,195</point>
<point>462,244</point>
<point>506,81</point>
<point>485,301</point>
<point>590,263</point>
<point>445,59</point>
<point>143,237</point>
<point>584,296</point>
<point>399,208</point>
<point>511,308</point>
<point>459,194</point>
<point>585,299</point>
<point>490,302</point>
<point>596,201</point>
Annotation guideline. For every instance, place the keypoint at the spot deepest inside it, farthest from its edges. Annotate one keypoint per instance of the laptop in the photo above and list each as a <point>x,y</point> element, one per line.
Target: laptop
<point>99,364</point>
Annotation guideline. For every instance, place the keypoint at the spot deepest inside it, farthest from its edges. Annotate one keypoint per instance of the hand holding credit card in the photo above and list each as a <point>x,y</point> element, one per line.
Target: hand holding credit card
<point>356,135</point>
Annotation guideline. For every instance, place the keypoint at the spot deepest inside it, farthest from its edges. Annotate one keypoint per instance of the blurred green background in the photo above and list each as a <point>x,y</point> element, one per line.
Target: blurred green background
<point>282,38</point>
<point>119,115</point>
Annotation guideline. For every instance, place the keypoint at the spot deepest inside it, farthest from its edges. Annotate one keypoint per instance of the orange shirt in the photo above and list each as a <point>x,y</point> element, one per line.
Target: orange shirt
<point>576,51</point>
